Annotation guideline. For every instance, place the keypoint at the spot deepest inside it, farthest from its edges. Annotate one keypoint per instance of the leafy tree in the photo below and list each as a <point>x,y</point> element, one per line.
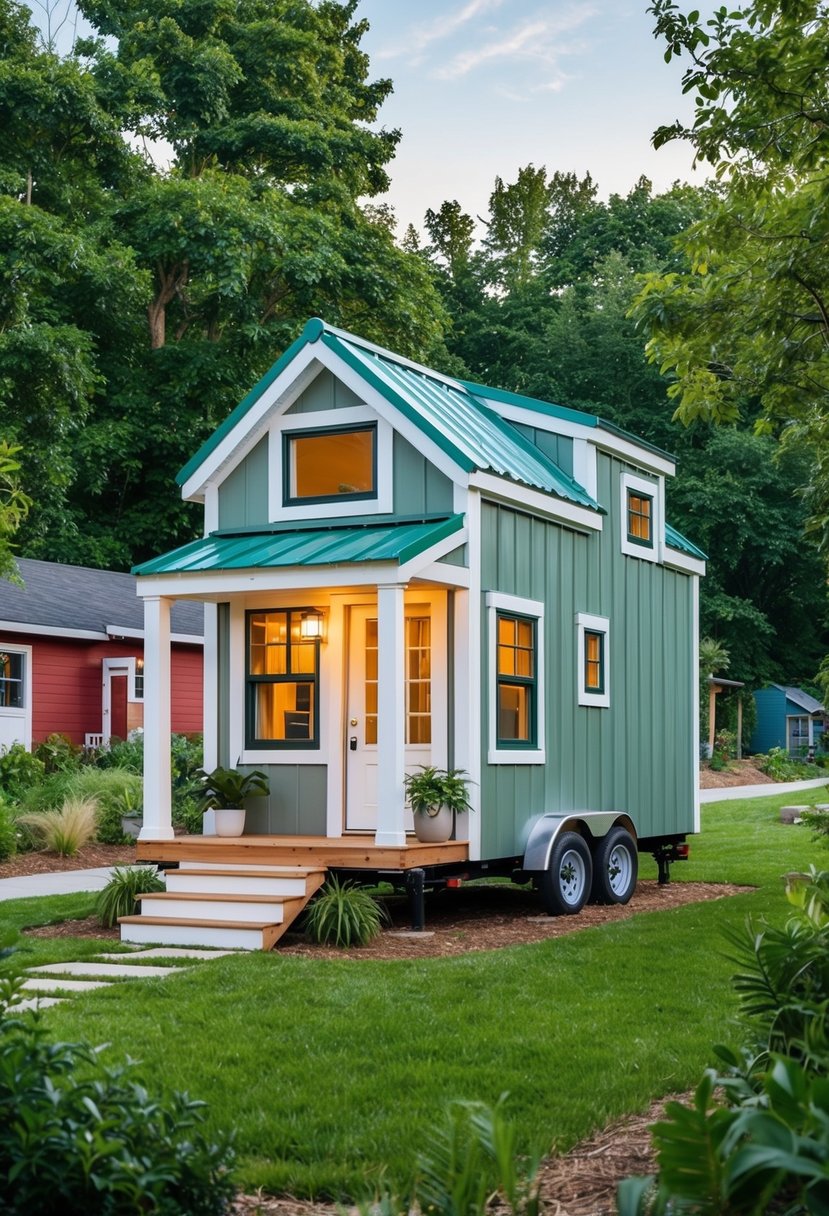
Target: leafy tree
<point>14,506</point>
<point>746,326</point>
<point>138,304</point>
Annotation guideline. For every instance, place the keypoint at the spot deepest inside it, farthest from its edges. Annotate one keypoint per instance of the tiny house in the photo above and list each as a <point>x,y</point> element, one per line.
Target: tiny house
<point>790,718</point>
<point>403,569</point>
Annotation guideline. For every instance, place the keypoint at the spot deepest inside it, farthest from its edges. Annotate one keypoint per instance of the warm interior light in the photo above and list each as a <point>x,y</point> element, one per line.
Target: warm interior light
<point>311,625</point>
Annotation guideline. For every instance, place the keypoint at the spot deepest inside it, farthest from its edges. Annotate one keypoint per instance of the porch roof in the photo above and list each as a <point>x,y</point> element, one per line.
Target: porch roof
<point>325,542</point>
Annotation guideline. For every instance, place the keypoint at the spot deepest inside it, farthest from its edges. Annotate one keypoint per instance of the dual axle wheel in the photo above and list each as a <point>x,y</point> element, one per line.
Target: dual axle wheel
<point>575,875</point>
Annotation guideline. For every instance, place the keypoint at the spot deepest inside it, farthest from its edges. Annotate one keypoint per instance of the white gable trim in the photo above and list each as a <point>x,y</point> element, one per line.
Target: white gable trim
<point>281,393</point>
<point>537,502</point>
<point>415,566</point>
<point>675,560</point>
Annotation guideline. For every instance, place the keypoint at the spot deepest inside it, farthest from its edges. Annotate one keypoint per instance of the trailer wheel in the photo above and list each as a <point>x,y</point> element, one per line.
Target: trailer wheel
<point>615,868</point>
<point>565,884</point>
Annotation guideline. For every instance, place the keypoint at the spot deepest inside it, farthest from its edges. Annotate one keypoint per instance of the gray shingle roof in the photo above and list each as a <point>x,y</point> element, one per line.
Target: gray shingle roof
<point>58,597</point>
<point>801,698</point>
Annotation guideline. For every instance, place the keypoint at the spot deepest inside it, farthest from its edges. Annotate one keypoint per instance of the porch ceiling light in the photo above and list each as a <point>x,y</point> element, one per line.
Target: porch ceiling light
<point>312,625</point>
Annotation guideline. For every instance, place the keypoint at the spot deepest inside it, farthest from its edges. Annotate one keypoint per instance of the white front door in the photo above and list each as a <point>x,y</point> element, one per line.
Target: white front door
<point>423,684</point>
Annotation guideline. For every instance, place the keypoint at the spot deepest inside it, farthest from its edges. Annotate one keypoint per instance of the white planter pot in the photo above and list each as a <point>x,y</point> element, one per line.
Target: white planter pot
<point>229,821</point>
<point>434,829</point>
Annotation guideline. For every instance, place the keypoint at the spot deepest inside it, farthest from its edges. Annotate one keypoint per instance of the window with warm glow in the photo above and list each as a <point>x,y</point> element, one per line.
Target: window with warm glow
<point>640,512</point>
<point>593,661</point>
<point>516,690</point>
<point>282,681</point>
<point>328,464</point>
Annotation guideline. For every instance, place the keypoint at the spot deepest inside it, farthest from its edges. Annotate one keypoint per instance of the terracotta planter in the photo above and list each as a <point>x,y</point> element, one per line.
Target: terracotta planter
<point>434,829</point>
<point>229,821</point>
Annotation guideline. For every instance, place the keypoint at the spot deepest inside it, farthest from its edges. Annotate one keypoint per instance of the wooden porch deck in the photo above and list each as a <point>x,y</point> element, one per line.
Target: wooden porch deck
<point>356,852</point>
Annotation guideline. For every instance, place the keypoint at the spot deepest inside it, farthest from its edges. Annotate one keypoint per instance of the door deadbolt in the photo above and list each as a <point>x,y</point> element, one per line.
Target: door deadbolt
<point>352,743</point>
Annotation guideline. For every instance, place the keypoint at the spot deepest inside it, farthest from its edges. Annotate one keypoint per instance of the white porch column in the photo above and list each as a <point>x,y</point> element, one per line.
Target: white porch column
<point>158,820</point>
<point>391,734</point>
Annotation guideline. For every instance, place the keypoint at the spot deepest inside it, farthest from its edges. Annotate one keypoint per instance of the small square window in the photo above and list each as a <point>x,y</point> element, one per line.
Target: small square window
<point>330,465</point>
<point>641,525</point>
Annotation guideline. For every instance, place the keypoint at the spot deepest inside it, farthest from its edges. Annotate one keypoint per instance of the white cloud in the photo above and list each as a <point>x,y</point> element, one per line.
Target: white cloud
<point>419,37</point>
<point>539,40</point>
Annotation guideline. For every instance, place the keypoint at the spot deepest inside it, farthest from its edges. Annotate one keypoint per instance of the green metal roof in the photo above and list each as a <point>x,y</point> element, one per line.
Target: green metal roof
<point>327,542</point>
<point>677,541</point>
<point>563,412</point>
<point>445,410</point>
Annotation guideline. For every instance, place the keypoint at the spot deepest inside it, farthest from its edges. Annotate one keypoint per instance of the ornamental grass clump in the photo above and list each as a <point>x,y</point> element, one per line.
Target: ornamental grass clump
<point>119,897</point>
<point>344,915</point>
<point>64,831</point>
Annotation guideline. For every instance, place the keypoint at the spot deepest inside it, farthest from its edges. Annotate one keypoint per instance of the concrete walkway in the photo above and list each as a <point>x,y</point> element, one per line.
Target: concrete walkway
<point>67,882</point>
<point>762,791</point>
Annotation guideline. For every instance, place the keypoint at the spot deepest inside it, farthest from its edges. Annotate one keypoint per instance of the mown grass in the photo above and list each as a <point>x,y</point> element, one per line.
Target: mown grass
<point>334,1073</point>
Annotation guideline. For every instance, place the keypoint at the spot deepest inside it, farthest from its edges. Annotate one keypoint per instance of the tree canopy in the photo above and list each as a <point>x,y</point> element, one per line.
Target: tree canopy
<point>139,300</point>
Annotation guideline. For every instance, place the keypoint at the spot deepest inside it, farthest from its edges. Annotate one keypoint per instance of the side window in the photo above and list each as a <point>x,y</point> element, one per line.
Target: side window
<point>640,516</point>
<point>282,681</point>
<point>516,693</point>
<point>593,659</point>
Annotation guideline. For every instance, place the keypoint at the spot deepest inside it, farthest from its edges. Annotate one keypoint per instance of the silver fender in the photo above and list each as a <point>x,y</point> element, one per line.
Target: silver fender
<point>545,829</point>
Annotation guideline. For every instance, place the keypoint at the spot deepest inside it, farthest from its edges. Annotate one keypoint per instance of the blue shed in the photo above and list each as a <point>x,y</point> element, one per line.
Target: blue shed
<point>787,717</point>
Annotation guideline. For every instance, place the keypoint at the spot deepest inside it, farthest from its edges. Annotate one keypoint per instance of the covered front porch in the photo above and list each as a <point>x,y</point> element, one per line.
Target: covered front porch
<point>336,716</point>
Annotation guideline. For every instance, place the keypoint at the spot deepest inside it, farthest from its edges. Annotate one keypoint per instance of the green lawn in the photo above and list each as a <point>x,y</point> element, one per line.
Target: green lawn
<point>333,1073</point>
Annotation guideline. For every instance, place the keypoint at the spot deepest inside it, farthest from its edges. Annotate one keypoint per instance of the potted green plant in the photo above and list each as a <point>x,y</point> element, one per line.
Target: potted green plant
<point>436,796</point>
<point>224,791</point>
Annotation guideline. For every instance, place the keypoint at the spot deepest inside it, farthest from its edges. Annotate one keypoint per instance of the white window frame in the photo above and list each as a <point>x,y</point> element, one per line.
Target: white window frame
<point>333,420</point>
<point>587,623</point>
<point>515,605</point>
<point>630,483</point>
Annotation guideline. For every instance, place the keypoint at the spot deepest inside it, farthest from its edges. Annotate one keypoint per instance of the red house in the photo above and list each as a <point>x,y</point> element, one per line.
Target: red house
<point>72,657</point>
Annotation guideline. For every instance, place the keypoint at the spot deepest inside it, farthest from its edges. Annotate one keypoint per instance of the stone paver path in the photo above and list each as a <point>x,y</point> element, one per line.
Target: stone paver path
<point>69,978</point>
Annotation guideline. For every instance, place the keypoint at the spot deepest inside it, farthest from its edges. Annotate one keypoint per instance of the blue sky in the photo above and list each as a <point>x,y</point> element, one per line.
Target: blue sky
<point>483,87</point>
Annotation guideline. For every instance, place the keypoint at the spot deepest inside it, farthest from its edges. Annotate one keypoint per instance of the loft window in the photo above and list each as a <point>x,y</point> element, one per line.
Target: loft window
<point>330,465</point>
<point>516,683</point>
<point>282,681</point>
<point>593,659</point>
<point>640,518</point>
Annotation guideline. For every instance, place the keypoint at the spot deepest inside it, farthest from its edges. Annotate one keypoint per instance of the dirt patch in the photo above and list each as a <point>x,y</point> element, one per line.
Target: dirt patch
<point>90,857</point>
<point>739,772</point>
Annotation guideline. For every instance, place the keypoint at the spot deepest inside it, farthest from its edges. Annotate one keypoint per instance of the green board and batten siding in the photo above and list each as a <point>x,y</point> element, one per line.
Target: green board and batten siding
<point>243,495</point>
<point>623,757</point>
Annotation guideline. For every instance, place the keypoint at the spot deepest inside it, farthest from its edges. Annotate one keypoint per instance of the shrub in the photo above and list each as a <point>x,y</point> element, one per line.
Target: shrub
<point>58,754</point>
<point>125,753</point>
<point>780,766</point>
<point>8,833</point>
<point>116,792</point>
<point>471,1159</point>
<point>118,897</point>
<point>818,821</point>
<point>344,915</point>
<point>187,815</point>
<point>725,750</point>
<point>77,1136</point>
<point>19,769</point>
<point>756,1138</point>
<point>65,831</point>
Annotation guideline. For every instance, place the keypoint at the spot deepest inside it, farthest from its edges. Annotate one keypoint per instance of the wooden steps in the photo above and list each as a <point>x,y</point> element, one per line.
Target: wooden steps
<point>242,907</point>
